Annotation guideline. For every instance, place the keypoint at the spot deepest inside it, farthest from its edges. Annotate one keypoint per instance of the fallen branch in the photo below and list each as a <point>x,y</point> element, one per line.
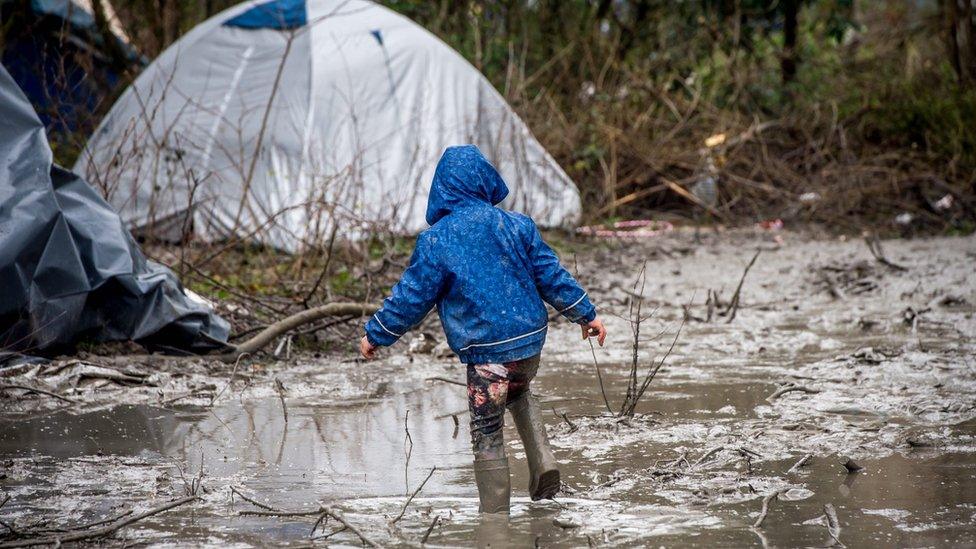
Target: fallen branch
<point>803,461</point>
<point>338,516</point>
<point>100,532</point>
<point>413,495</point>
<point>765,508</point>
<point>430,529</point>
<point>7,386</point>
<point>709,454</point>
<point>251,501</point>
<point>322,510</point>
<point>833,524</point>
<point>791,389</point>
<point>265,336</point>
<point>285,325</point>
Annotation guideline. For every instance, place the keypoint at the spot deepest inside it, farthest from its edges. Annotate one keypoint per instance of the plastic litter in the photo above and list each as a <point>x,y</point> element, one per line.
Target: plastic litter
<point>637,228</point>
<point>69,270</point>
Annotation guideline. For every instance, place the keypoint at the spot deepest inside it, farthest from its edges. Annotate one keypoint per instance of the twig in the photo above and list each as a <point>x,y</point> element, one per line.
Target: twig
<point>765,508</point>
<point>195,392</point>
<point>874,246</point>
<point>82,526</point>
<point>446,380</point>
<point>318,521</point>
<point>280,388</point>
<point>709,454</point>
<point>280,513</point>
<point>599,376</point>
<point>100,532</point>
<point>803,461</point>
<point>233,374</point>
<point>251,501</point>
<point>430,529</point>
<point>734,303</point>
<point>325,267</point>
<point>6,386</point>
<point>338,516</point>
<point>572,426</point>
<point>833,525</point>
<point>413,495</point>
<point>330,534</point>
<point>791,389</point>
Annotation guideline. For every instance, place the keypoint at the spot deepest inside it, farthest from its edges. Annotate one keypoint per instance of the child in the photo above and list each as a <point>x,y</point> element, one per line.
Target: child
<point>488,271</point>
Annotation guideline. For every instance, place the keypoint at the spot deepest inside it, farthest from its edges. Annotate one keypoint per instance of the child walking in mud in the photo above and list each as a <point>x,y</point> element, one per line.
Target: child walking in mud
<point>488,271</point>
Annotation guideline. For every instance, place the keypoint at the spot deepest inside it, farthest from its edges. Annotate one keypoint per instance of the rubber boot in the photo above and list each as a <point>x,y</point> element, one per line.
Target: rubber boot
<point>494,531</point>
<point>494,485</point>
<point>543,468</point>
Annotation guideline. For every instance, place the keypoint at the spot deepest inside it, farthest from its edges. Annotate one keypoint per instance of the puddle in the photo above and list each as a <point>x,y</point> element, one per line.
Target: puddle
<point>709,440</point>
<point>358,457</point>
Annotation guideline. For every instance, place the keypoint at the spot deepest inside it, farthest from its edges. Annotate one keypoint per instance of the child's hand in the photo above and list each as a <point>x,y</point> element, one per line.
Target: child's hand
<point>595,328</point>
<point>367,349</point>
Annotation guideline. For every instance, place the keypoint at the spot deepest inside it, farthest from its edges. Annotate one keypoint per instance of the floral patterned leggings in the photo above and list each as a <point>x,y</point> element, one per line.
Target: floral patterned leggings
<point>492,387</point>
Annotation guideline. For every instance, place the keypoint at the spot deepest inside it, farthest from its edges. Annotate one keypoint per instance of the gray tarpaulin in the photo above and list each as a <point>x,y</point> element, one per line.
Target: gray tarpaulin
<point>69,270</point>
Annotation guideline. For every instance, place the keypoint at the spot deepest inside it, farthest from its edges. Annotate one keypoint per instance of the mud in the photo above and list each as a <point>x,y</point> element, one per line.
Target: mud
<point>888,367</point>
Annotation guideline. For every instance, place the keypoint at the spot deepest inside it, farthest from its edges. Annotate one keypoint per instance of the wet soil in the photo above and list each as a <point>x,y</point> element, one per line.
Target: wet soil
<point>887,366</point>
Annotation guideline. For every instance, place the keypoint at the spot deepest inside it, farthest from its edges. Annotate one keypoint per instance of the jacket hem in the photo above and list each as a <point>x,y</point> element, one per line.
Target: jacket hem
<point>509,351</point>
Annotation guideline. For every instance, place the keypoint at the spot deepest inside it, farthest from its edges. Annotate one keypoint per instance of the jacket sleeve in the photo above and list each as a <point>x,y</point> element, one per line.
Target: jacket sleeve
<point>554,283</point>
<point>411,298</point>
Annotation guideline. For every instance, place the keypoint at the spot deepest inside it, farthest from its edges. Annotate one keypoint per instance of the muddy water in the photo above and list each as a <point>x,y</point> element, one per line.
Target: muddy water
<point>890,380</point>
<point>359,457</point>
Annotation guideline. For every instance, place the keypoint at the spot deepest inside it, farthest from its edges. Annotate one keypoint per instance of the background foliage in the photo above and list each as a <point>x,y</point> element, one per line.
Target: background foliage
<point>838,111</point>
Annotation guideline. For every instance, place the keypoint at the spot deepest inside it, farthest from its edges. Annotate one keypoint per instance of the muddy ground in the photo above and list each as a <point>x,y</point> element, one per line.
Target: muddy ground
<point>879,360</point>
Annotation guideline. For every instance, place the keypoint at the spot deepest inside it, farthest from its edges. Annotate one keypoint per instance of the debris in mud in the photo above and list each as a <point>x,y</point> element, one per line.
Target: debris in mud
<point>840,279</point>
<point>850,465</point>
<point>701,451</point>
<point>45,535</point>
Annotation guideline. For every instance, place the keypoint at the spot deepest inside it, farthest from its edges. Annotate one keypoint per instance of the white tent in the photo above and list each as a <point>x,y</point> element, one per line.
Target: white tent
<point>274,120</point>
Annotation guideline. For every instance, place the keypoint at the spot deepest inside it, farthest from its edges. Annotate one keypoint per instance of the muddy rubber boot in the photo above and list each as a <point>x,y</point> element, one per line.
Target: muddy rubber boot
<point>494,485</point>
<point>494,531</point>
<point>543,468</point>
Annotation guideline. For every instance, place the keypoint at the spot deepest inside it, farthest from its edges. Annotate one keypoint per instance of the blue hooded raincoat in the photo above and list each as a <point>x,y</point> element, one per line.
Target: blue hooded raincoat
<point>487,270</point>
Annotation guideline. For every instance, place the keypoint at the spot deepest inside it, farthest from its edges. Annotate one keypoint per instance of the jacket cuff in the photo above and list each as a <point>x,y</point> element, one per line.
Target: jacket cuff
<point>582,311</point>
<point>590,316</point>
<point>377,334</point>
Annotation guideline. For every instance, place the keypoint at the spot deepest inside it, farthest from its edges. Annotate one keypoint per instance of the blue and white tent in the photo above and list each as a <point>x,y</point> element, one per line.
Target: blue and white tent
<point>277,120</point>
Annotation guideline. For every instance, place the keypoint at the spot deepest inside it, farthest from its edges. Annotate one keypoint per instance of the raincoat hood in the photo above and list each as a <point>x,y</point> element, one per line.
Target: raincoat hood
<point>464,177</point>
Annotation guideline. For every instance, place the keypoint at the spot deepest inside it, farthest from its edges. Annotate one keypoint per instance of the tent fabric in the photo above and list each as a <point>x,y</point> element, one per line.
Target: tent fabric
<point>68,267</point>
<point>280,135</point>
<point>277,14</point>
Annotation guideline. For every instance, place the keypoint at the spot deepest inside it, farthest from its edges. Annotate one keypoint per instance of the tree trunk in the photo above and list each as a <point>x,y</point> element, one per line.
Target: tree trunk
<point>788,61</point>
<point>951,17</point>
<point>967,16</point>
<point>120,60</point>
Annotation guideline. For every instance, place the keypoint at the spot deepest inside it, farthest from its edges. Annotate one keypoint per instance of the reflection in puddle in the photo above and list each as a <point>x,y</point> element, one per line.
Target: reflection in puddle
<point>357,456</point>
